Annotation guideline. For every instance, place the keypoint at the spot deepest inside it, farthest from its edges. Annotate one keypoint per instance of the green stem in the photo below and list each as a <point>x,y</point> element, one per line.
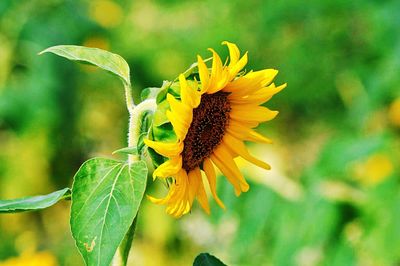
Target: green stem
<point>136,114</point>
<point>128,97</point>
<point>121,257</point>
<point>135,118</point>
<point>135,124</point>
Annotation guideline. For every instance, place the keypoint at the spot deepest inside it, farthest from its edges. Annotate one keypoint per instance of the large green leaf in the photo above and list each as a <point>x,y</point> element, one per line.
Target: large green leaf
<point>205,259</point>
<point>101,58</point>
<point>34,202</point>
<point>106,195</point>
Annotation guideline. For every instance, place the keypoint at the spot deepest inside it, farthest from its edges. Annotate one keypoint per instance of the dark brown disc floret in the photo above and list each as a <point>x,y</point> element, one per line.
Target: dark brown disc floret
<point>207,129</point>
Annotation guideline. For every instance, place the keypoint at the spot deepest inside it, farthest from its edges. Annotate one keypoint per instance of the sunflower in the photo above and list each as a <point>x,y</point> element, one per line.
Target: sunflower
<point>211,120</point>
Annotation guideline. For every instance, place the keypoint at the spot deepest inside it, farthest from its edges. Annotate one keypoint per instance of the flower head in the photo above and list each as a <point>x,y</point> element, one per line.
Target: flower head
<point>215,113</point>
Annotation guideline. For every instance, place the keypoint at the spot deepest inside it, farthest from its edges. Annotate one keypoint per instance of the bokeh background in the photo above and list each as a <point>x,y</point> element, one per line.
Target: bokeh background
<point>333,196</point>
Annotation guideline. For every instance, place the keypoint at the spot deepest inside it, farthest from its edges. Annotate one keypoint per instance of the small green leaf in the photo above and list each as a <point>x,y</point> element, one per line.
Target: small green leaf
<point>205,259</point>
<point>106,195</point>
<point>106,60</point>
<point>34,202</point>
<point>127,150</point>
<point>149,93</point>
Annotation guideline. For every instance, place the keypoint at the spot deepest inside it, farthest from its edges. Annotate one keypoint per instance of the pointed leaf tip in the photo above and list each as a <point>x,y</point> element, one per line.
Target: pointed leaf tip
<point>205,259</point>
<point>108,61</point>
<point>34,202</point>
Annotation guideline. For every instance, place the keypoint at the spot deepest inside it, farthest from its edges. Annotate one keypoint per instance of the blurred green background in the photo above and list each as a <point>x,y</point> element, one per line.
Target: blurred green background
<point>333,195</point>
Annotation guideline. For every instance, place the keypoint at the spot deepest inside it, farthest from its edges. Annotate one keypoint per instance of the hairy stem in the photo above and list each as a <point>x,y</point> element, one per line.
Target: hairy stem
<point>128,97</point>
<point>136,114</point>
<point>135,123</point>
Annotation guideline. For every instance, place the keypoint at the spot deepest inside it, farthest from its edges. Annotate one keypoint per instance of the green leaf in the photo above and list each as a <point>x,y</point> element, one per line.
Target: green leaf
<point>106,195</point>
<point>160,116</point>
<point>164,133</point>
<point>127,150</point>
<point>205,259</point>
<point>106,60</point>
<point>126,244</point>
<point>34,202</point>
<point>149,93</point>
<point>162,94</point>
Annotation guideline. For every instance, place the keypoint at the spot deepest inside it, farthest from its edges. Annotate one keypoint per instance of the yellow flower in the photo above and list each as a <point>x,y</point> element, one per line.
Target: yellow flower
<point>211,120</point>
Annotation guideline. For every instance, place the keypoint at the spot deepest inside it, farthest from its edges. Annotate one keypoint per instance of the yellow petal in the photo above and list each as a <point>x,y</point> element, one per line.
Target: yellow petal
<point>189,94</point>
<point>223,154</point>
<point>194,183</point>
<point>179,204</point>
<point>177,198</point>
<point>242,131</point>
<point>256,137</point>
<point>239,124</point>
<point>239,148</point>
<point>224,161</point>
<point>180,127</point>
<point>259,97</point>
<point>225,172</point>
<point>238,129</point>
<point>179,108</point>
<point>219,75</point>
<point>204,74</point>
<point>169,168</point>
<point>251,82</point>
<point>235,65</point>
<point>234,70</point>
<point>234,52</point>
<point>155,200</point>
<point>165,149</point>
<point>180,185</point>
<point>165,200</point>
<point>212,180</point>
<point>201,193</point>
<point>180,116</point>
<point>252,113</point>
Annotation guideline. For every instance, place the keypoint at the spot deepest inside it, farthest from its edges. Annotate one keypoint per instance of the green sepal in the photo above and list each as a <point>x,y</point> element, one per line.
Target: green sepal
<point>175,90</point>
<point>156,158</point>
<point>164,133</point>
<point>145,125</point>
<point>160,116</point>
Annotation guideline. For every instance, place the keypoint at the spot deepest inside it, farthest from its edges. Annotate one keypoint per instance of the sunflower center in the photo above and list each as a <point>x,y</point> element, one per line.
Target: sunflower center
<point>207,129</point>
